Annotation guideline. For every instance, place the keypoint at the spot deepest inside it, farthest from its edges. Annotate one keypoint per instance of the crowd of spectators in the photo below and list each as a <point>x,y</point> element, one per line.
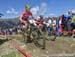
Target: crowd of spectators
<point>62,25</point>
<point>10,31</point>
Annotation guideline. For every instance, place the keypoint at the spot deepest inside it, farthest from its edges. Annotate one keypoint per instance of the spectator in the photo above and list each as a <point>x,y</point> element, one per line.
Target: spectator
<point>49,26</point>
<point>73,22</point>
<point>67,20</point>
<point>59,26</point>
<point>53,26</point>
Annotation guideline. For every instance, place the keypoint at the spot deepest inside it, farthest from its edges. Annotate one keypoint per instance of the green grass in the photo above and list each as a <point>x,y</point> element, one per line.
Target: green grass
<point>14,54</point>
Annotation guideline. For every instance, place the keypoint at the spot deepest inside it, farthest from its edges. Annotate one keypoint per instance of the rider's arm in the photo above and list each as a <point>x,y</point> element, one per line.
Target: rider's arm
<point>22,19</point>
<point>32,15</point>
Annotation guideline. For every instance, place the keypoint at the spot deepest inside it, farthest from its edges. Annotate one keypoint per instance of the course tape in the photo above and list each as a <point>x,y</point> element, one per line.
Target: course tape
<point>13,43</point>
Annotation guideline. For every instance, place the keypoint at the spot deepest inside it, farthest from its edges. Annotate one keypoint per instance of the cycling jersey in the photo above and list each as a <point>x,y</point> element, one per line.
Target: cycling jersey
<point>67,18</point>
<point>39,22</point>
<point>26,15</point>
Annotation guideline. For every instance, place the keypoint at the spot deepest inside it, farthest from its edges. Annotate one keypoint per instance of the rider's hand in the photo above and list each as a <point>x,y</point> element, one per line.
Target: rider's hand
<point>30,17</point>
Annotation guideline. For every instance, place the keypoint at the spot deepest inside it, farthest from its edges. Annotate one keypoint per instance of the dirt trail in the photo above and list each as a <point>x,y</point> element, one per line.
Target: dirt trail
<point>61,47</point>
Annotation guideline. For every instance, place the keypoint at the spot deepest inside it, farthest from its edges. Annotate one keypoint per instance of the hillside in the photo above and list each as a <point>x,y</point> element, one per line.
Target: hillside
<point>7,23</point>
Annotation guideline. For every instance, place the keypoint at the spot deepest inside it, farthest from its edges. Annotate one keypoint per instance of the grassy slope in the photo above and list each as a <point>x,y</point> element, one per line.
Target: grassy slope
<point>61,45</point>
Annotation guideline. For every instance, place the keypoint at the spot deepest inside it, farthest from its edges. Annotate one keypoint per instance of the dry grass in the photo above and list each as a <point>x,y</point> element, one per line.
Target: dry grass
<point>61,46</point>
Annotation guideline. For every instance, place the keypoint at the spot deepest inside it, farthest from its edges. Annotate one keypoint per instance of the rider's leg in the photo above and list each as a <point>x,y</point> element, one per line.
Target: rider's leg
<point>28,33</point>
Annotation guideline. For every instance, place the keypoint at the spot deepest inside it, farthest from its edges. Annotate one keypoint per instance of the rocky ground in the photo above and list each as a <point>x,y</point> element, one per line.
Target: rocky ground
<point>62,47</point>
